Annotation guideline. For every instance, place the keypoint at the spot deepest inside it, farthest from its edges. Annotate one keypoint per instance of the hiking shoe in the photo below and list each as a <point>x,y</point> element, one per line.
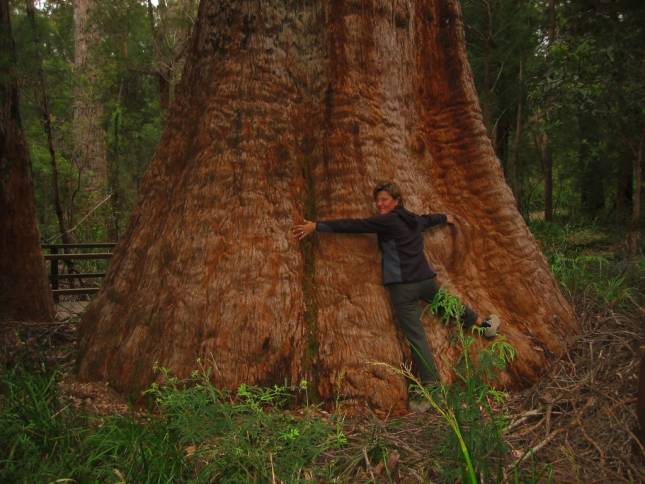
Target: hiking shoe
<point>490,325</point>
<point>419,406</point>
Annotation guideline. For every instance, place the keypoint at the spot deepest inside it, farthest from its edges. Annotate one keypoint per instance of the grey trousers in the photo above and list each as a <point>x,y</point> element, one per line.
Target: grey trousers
<point>405,299</point>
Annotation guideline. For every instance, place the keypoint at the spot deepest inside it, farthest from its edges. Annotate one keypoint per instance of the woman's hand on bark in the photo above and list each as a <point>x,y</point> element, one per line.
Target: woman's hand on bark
<point>304,229</point>
<point>450,219</point>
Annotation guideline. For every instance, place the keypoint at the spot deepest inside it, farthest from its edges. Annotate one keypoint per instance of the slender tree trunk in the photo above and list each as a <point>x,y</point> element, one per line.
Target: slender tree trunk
<point>170,33</point>
<point>487,90</point>
<point>624,189</point>
<point>635,224</point>
<point>43,103</point>
<point>161,69</point>
<point>24,291</point>
<point>592,186</point>
<point>547,170</point>
<point>547,160</point>
<point>541,142</point>
<point>88,135</point>
<point>298,108</point>
<point>114,185</point>
<point>514,157</point>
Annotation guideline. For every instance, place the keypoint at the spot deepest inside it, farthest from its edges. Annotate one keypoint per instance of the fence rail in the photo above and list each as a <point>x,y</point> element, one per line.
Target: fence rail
<point>59,252</point>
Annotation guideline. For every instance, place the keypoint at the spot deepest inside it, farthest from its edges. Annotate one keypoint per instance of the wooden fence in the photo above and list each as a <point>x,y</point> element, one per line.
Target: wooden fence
<point>61,252</point>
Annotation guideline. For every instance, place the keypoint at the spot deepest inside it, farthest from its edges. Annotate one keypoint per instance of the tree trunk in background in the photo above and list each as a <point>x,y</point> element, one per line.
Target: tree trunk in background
<point>547,175</point>
<point>624,188</point>
<point>162,70</point>
<point>113,176</point>
<point>298,108</point>
<point>43,103</point>
<point>24,292</point>
<point>487,93</point>
<point>545,154</point>
<point>592,183</point>
<point>171,27</point>
<point>87,132</point>
<point>514,156</point>
<point>635,223</point>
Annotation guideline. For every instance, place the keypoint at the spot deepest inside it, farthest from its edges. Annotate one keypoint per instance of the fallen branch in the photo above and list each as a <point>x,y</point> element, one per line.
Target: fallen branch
<point>533,450</point>
<point>69,231</point>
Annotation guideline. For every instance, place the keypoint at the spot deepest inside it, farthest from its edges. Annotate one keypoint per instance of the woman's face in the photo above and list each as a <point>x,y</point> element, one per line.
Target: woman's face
<point>384,202</point>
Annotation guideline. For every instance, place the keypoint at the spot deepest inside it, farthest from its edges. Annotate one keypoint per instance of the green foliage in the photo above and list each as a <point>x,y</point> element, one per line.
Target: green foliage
<point>198,434</point>
<point>579,94</point>
<point>581,259</point>
<point>247,438</point>
<point>476,439</point>
<point>42,439</point>
<point>36,432</point>
<point>447,306</point>
<point>472,446</point>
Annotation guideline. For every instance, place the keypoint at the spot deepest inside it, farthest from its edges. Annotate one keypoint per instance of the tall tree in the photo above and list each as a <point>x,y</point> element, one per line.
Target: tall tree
<point>292,108</point>
<point>88,133</point>
<point>170,23</point>
<point>24,292</point>
<point>41,93</point>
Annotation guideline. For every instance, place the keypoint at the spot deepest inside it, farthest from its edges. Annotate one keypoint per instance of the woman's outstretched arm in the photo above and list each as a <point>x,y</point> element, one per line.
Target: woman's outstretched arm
<point>371,225</point>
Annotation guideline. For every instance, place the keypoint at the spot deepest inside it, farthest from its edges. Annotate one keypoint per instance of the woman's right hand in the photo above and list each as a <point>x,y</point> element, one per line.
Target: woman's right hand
<point>304,229</point>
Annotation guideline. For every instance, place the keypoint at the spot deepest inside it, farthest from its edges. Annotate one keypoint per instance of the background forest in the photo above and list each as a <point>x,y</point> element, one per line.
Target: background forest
<point>560,84</point>
<point>561,88</point>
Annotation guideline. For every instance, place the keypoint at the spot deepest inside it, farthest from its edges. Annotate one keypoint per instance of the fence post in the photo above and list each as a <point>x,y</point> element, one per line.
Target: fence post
<point>54,272</point>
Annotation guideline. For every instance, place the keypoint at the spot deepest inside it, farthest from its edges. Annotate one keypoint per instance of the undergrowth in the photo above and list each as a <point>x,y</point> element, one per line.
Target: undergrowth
<point>197,433</point>
<point>588,262</point>
<point>473,449</point>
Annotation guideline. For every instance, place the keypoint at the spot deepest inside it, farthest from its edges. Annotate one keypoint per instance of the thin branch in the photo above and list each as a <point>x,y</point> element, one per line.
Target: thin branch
<point>82,220</point>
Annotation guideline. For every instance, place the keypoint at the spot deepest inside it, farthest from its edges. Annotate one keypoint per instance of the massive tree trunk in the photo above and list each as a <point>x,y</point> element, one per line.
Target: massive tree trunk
<point>296,108</point>
<point>24,292</point>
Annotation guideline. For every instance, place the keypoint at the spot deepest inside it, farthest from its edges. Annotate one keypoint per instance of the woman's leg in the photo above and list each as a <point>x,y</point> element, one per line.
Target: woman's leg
<point>405,299</point>
<point>429,288</point>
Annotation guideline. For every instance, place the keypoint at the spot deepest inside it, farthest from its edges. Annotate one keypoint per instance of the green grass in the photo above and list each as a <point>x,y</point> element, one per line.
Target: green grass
<point>195,434</point>
<point>587,262</point>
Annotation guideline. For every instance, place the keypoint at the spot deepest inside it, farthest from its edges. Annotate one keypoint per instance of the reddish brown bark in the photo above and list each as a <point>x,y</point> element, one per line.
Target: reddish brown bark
<point>298,109</point>
<point>24,292</point>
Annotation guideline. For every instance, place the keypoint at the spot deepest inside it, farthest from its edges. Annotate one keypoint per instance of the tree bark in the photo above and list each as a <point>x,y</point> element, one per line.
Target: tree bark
<point>514,157</point>
<point>635,222</point>
<point>24,291</point>
<point>292,108</point>
<point>87,132</point>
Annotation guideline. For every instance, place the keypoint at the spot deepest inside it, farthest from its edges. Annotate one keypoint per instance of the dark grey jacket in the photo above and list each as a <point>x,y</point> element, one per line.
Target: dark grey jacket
<point>400,238</point>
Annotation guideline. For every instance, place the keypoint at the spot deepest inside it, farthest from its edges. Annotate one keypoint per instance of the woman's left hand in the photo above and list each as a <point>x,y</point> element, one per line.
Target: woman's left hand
<point>305,229</point>
<point>450,219</point>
